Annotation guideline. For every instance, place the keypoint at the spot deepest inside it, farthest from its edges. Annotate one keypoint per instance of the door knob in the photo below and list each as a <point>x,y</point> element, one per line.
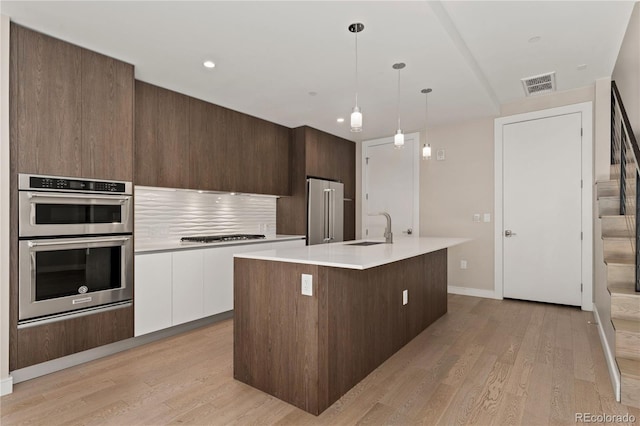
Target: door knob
<point>508,233</point>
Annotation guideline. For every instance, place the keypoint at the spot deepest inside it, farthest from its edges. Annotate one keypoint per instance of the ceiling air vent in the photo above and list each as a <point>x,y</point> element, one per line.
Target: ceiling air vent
<point>539,84</point>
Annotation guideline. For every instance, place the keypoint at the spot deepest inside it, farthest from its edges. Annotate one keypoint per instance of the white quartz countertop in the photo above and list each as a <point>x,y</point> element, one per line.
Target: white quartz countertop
<point>164,245</point>
<point>345,255</point>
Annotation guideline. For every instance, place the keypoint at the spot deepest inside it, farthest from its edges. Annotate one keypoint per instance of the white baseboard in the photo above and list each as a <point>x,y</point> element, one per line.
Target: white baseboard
<point>476,292</point>
<point>614,373</point>
<point>6,386</point>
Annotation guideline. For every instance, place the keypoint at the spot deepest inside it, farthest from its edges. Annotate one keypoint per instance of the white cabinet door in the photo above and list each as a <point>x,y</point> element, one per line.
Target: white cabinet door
<point>152,290</point>
<point>218,284</point>
<point>187,286</point>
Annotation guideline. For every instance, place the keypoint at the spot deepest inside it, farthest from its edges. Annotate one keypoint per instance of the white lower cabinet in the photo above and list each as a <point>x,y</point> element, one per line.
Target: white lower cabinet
<point>187,276</point>
<point>152,307</point>
<point>172,288</point>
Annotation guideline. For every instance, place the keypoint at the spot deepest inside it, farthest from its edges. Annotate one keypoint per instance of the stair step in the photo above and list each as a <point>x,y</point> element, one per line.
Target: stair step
<point>608,206</point>
<point>620,273</point>
<point>625,301</point>
<point>627,338</point>
<point>630,381</point>
<point>614,171</point>
<point>618,225</point>
<point>620,260</point>
<point>608,188</point>
<point>617,247</point>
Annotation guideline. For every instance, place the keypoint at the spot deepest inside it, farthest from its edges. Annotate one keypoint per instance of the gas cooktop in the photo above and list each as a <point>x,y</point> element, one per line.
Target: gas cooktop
<point>221,238</point>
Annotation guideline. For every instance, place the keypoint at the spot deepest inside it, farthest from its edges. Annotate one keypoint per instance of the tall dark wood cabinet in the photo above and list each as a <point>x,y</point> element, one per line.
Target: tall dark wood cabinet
<point>71,114</point>
<point>322,155</point>
<point>107,117</point>
<point>161,137</point>
<point>74,109</point>
<point>46,76</point>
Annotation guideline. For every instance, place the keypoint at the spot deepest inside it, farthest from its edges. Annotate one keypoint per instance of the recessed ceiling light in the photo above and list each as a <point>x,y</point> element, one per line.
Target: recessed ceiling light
<point>340,120</point>
<point>209,64</point>
<point>535,39</point>
<point>313,93</point>
<point>582,67</point>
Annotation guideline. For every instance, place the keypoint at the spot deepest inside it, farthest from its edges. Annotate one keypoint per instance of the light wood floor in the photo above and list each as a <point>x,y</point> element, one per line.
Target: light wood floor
<point>485,362</point>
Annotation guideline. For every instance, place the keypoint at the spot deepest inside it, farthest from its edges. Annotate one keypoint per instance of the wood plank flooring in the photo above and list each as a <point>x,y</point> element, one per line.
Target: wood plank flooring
<point>485,362</point>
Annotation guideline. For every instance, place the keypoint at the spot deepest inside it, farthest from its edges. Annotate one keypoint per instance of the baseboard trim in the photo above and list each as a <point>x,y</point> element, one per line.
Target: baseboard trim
<point>614,373</point>
<point>476,292</point>
<point>58,364</point>
<point>6,386</point>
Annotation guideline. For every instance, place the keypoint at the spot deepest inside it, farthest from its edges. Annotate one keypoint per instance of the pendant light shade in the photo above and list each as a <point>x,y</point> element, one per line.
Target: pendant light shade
<point>426,148</point>
<point>356,114</point>
<point>398,139</point>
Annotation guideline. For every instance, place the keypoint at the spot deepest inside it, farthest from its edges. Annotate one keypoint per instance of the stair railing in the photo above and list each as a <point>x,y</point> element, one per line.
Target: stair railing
<point>624,157</point>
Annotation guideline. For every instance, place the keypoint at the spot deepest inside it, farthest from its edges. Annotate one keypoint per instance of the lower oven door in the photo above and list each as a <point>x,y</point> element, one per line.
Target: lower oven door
<point>68,274</point>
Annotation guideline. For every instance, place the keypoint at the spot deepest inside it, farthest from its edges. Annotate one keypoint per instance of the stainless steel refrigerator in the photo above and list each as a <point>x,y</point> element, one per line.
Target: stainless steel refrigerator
<point>325,211</point>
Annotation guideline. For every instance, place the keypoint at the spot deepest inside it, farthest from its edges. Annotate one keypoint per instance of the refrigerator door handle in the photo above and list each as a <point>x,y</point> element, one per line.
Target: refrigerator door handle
<point>332,218</point>
<point>327,202</point>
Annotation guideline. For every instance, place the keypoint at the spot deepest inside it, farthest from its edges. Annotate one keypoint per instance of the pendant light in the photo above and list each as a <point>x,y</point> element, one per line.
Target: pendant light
<point>356,114</point>
<point>426,148</point>
<point>398,139</point>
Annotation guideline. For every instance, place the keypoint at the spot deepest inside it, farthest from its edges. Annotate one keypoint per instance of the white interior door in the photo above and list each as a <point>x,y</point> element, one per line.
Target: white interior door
<point>390,184</point>
<point>542,172</point>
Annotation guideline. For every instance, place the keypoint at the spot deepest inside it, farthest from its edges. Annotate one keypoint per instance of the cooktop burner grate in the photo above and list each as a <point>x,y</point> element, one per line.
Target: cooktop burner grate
<point>221,238</point>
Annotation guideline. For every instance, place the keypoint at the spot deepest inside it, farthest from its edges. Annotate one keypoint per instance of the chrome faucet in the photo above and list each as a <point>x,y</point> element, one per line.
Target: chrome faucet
<point>388,235</point>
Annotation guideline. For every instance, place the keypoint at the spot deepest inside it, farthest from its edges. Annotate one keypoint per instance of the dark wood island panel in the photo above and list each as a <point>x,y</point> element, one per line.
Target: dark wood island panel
<point>309,351</point>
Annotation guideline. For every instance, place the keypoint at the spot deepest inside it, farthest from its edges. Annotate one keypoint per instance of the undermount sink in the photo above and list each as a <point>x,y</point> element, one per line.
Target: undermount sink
<point>366,243</point>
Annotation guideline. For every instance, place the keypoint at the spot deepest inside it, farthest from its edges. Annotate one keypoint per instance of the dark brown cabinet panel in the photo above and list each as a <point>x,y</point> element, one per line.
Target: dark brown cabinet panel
<point>331,157</point>
<point>57,339</point>
<point>231,151</point>
<point>107,117</point>
<point>47,78</point>
<point>161,137</point>
<point>211,157</point>
<point>74,109</point>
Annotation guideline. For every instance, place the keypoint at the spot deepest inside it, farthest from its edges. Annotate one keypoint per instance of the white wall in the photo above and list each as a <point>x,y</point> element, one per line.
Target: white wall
<point>626,72</point>
<point>5,379</point>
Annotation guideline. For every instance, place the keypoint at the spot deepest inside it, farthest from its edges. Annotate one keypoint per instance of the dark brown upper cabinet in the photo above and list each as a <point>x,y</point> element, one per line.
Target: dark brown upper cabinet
<point>161,137</point>
<point>184,142</point>
<point>331,157</point>
<point>73,109</point>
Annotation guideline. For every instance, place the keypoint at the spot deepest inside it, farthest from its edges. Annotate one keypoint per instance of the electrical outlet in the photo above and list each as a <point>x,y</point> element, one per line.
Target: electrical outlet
<point>463,264</point>
<point>476,217</point>
<point>405,297</point>
<point>307,285</point>
<point>487,218</point>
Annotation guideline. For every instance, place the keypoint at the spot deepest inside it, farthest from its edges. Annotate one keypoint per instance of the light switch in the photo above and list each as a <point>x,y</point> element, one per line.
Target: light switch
<point>440,155</point>
<point>307,284</point>
<point>476,217</point>
<point>463,264</point>
<point>487,218</point>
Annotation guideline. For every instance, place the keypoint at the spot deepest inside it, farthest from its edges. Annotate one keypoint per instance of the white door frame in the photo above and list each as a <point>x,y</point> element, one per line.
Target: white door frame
<point>416,179</point>
<point>585,109</point>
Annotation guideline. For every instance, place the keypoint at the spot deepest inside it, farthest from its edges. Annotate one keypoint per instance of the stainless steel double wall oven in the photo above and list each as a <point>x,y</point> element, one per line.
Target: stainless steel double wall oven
<point>75,246</point>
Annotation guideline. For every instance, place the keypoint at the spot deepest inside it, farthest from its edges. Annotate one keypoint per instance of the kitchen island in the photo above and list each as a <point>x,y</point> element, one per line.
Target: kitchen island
<point>362,305</point>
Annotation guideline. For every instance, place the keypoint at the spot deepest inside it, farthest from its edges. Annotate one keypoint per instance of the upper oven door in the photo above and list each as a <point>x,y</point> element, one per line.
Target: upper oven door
<point>60,213</point>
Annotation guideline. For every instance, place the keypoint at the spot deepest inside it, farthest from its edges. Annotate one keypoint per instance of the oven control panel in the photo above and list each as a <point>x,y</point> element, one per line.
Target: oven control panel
<point>66,184</point>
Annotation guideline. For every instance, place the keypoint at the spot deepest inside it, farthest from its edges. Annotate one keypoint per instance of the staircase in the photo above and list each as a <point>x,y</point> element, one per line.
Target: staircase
<point>618,236</point>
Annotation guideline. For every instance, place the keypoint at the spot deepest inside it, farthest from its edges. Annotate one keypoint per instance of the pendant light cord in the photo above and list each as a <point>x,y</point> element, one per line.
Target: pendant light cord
<point>398,107</point>
<point>357,88</point>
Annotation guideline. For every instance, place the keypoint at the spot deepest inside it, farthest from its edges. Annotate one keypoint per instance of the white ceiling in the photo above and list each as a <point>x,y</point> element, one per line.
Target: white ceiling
<point>270,55</point>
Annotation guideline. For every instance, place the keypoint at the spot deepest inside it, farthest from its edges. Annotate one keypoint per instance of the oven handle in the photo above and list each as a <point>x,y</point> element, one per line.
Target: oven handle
<point>77,241</point>
<point>122,199</point>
